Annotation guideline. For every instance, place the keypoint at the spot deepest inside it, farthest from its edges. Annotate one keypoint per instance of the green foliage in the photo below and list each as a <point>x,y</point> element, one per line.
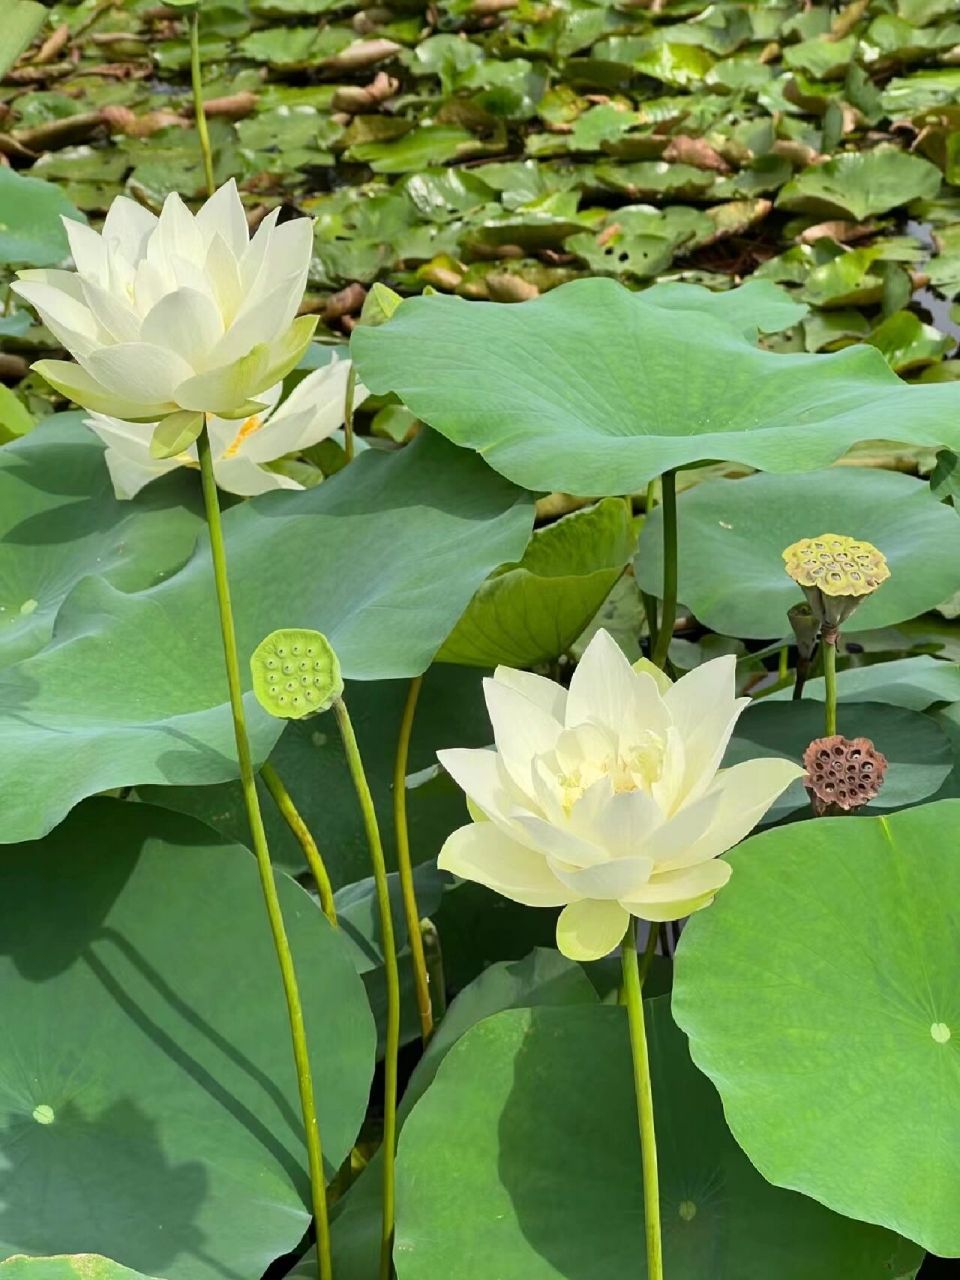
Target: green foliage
<point>858,949</point>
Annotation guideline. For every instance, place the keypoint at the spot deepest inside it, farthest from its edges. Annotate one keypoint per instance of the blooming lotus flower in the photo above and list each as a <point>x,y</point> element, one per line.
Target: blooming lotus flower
<point>179,312</point>
<point>608,799</point>
<point>311,413</point>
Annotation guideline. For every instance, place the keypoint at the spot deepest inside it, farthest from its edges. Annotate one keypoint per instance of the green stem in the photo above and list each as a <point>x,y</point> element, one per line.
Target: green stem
<point>829,646</point>
<point>291,815</point>
<point>642,1085</point>
<point>348,443</point>
<point>411,911</point>
<point>392,974</point>
<point>267,882</point>
<point>433,955</point>
<point>669,615</point>
<point>199,114</point>
<point>649,951</point>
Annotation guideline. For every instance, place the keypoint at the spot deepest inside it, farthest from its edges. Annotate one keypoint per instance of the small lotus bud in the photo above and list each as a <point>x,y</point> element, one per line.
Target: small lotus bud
<point>296,674</point>
<point>836,574</point>
<point>842,773</point>
<point>806,628</point>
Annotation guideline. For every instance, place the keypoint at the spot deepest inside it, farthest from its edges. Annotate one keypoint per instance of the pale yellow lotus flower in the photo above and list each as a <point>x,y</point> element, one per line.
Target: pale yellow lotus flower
<point>608,799</point>
<point>176,312</point>
<point>241,449</point>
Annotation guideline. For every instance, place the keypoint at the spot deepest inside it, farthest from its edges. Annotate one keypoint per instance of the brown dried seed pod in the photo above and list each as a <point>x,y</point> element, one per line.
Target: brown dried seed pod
<point>842,773</point>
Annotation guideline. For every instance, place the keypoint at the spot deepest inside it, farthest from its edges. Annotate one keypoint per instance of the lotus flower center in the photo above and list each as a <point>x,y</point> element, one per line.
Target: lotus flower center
<point>249,428</point>
<point>632,767</point>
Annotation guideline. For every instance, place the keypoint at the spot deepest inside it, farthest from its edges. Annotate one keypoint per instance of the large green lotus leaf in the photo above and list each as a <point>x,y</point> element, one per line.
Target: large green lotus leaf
<point>531,612</point>
<point>820,995</point>
<point>916,683</point>
<point>732,534</point>
<point>592,389</point>
<point>311,763</point>
<point>543,977</point>
<point>918,753</point>
<point>59,522</point>
<point>382,558</point>
<point>31,231</point>
<point>149,1099</point>
<point>66,1266</point>
<point>22,21</point>
<point>525,1147</point>
<point>859,184</point>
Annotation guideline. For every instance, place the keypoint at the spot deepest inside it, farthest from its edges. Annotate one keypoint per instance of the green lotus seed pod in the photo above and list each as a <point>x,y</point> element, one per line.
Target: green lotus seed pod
<point>296,674</point>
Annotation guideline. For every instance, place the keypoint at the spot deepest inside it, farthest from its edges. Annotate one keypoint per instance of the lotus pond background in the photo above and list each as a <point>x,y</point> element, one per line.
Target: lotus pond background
<point>763,200</point>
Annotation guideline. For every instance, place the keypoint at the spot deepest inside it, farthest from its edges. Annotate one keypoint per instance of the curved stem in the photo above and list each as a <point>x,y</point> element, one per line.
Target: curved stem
<point>291,815</point>
<point>830,638</point>
<point>348,444</point>
<point>410,909</point>
<point>199,114</point>
<point>669,615</point>
<point>392,974</point>
<point>267,882</point>
<point>642,1086</point>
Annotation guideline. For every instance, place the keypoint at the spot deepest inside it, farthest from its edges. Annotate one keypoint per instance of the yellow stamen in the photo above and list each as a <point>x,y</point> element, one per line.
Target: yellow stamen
<point>249,428</point>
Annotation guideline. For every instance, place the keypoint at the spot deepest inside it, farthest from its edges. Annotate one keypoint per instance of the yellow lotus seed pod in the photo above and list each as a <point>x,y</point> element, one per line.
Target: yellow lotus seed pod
<point>836,574</point>
<point>295,674</point>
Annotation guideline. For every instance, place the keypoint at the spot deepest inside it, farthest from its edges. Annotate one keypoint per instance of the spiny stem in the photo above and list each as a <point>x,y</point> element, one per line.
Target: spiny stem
<point>642,1085</point>
<point>392,974</point>
<point>294,820</point>
<point>199,113</point>
<point>268,884</point>
<point>668,616</point>
<point>410,909</point>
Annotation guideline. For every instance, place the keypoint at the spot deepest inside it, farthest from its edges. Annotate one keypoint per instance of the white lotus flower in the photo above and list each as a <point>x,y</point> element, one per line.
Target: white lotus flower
<point>311,413</point>
<point>609,799</point>
<point>176,312</point>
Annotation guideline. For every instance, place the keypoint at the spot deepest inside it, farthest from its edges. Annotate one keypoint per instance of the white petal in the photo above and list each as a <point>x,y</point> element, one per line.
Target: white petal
<point>605,688</point>
<point>223,215</point>
<point>127,227</point>
<point>591,930</point>
<point>705,709</point>
<point>259,322</point>
<point>221,390</point>
<point>311,413</point>
<point>285,260</point>
<point>560,843</point>
<point>241,476</point>
<point>521,730</point>
<point>481,776</point>
<point>679,833</point>
<point>543,693</point>
<point>483,853</point>
<point>128,454</point>
<point>112,312</point>
<point>745,792</point>
<point>188,322</point>
<point>679,887</point>
<point>88,251</point>
<point>615,880</point>
<point>621,824</point>
<point>138,371</point>
<point>256,250</point>
<point>69,320</point>
<point>80,386</point>
<point>222,273</point>
<point>177,237</point>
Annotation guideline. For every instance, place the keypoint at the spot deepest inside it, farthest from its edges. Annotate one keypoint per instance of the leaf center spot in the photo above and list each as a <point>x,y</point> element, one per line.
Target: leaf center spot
<point>44,1114</point>
<point>940,1032</point>
<point>688,1210</point>
<point>28,607</point>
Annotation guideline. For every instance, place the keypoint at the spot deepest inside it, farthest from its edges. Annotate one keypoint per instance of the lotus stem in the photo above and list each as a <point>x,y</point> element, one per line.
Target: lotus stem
<point>199,113</point>
<point>633,998</point>
<point>411,910</point>
<point>291,815</point>
<point>668,617</point>
<point>830,639</point>
<point>268,884</point>
<point>348,441</point>
<point>392,974</point>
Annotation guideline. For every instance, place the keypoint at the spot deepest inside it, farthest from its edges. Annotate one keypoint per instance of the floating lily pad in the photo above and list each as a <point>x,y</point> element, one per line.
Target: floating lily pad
<point>579,390</point>
<point>127,1057</point>
<point>916,683</point>
<point>732,534</point>
<point>69,1266</point>
<point>130,694</point>
<point>860,184</point>
<point>59,523</point>
<point>838,1069</point>
<point>523,1163</point>
<point>31,233</point>
<point>533,611</point>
